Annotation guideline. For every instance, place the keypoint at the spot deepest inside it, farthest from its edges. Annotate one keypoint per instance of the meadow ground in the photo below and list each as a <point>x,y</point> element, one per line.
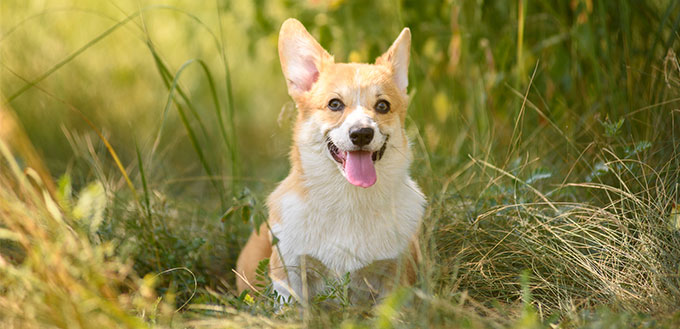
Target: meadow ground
<point>140,138</point>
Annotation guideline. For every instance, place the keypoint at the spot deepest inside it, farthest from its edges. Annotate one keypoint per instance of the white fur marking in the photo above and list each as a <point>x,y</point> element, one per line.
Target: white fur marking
<point>343,226</point>
<point>357,118</point>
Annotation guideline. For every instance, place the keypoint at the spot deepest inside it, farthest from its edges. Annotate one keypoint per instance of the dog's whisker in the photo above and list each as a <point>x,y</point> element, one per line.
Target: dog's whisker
<point>398,151</point>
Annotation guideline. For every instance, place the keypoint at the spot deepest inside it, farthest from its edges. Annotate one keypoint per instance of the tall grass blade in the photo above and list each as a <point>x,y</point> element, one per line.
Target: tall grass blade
<point>235,166</point>
<point>167,79</point>
<point>94,41</point>
<point>192,135</point>
<point>140,164</point>
<point>70,58</point>
<point>520,39</point>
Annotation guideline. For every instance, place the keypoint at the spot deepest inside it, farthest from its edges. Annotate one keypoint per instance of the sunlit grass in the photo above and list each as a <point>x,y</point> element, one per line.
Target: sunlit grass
<point>545,138</point>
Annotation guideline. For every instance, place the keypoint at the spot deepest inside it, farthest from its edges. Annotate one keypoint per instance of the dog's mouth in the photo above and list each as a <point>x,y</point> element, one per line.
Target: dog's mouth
<point>357,166</point>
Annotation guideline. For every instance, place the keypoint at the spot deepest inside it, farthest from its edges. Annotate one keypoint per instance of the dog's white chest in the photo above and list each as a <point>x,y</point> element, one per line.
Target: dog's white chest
<point>348,228</point>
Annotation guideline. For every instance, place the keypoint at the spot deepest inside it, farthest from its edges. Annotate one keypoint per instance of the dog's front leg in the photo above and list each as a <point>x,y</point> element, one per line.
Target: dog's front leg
<point>300,278</point>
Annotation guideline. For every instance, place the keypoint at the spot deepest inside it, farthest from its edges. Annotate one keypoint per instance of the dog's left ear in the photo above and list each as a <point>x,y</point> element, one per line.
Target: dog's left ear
<point>397,58</point>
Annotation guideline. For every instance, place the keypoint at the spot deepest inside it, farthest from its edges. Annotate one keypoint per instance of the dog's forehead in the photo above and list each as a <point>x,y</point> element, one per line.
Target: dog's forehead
<point>356,76</point>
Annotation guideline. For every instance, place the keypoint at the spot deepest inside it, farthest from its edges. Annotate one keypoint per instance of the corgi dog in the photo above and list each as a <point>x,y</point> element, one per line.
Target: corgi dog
<point>348,204</point>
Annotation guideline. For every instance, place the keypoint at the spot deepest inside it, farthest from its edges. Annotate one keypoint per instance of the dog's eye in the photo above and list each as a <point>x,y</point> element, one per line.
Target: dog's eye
<point>336,105</point>
<point>382,106</point>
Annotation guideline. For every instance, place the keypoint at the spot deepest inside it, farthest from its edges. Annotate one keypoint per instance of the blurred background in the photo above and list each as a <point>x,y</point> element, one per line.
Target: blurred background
<point>191,98</point>
<point>472,63</point>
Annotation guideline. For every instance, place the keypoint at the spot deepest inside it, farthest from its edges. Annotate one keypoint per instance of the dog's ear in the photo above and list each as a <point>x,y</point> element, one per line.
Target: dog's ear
<point>302,58</point>
<point>397,58</point>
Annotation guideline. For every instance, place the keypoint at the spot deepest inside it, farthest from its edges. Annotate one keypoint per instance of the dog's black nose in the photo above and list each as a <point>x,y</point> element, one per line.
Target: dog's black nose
<point>361,136</point>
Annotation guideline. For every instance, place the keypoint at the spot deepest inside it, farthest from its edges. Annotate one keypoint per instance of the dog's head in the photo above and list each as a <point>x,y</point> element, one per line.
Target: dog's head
<point>351,114</point>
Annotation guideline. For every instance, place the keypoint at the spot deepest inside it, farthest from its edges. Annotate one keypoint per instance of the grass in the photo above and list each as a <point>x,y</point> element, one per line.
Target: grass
<point>139,144</point>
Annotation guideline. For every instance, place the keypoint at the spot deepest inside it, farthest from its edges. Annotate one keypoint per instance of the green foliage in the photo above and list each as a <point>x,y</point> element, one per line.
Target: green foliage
<point>51,274</point>
<point>544,133</point>
<point>336,290</point>
<point>612,129</point>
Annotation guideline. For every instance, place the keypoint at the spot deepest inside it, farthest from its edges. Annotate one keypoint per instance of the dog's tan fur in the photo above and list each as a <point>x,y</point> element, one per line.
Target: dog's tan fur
<point>380,218</point>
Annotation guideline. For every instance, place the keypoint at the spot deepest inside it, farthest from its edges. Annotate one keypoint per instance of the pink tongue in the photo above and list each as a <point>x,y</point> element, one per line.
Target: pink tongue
<point>359,168</point>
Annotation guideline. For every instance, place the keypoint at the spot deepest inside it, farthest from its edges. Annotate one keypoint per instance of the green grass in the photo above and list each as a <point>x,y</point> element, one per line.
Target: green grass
<point>545,138</point>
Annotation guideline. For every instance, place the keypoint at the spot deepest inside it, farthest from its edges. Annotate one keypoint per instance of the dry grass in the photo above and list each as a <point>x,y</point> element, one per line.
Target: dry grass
<point>52,275</point>
<point>553,193</point>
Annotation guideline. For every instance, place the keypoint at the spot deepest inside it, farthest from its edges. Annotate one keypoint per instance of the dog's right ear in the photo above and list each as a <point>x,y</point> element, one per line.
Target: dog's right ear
<point>302,58</point>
